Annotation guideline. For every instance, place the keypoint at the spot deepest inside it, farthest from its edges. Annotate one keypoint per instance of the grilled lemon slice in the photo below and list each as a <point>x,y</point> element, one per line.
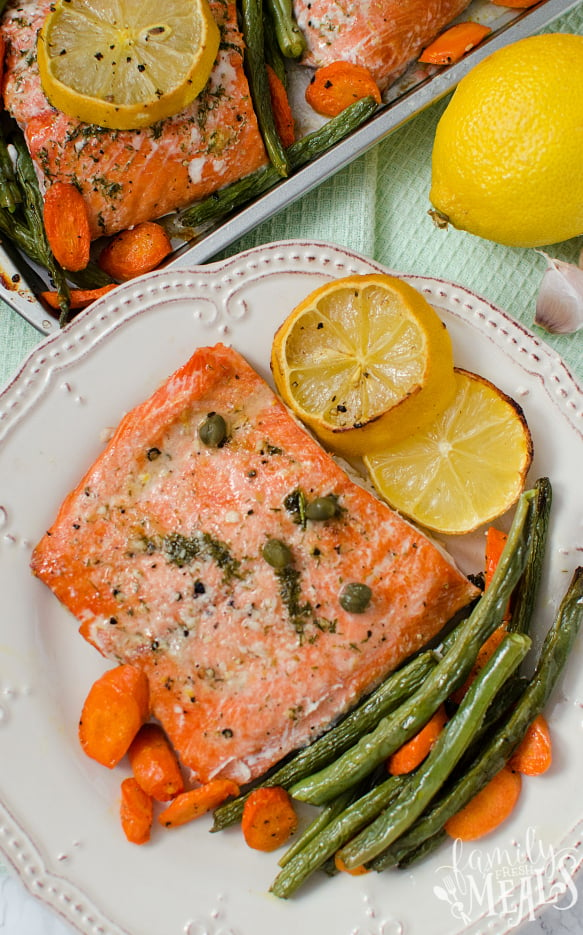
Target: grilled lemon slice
<point>126,64</point>
<point>466,468</point>
<point>363,361</point>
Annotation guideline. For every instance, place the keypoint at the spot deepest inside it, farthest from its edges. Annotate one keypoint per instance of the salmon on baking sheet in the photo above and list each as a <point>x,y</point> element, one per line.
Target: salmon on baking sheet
<point>383,35</point>
<point>158,552</point>
<point>135,175</point>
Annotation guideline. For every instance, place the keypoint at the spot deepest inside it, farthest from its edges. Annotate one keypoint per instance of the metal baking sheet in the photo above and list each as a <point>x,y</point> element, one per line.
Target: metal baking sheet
<point>416,89</point>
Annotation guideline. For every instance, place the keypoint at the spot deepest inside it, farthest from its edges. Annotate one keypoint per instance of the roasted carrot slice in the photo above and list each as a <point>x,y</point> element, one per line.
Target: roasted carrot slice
<point>495,542</point>
<point>355,871</point>
<point>136,812</point>
<point>534,754</point>
<point>155,764</point>
<point>488,809</point>
<point>268,818</point>
<point>67,225</point>
<point>282,112</point>
<point>113,712</point>
<point>196,802</point>
<point>334,87</point>
<point>79,298</point>
<point>135,251</point>
<point>413,752</point>
<point>515,4</point>
<point>482,658</point>
<point>452,45</point>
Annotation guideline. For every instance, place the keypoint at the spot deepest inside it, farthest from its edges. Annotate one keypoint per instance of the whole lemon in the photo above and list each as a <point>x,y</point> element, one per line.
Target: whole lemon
<point>507,160</point>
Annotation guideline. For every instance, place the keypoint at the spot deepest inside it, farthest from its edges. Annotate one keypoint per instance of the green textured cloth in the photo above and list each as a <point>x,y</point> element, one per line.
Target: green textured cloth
<point>378,207</point>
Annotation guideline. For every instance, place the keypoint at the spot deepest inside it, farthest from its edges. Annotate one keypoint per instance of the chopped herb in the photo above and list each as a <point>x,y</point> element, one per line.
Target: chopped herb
<point>295,503</point>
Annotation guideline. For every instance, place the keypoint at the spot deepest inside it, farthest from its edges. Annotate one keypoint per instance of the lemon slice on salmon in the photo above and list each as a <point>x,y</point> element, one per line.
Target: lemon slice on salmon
<point>126,64</point>
<point>363,361</point>
<point>465,469</point>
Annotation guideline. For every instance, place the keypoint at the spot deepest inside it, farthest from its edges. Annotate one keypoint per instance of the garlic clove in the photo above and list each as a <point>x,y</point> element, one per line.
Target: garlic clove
<point>559,304</point>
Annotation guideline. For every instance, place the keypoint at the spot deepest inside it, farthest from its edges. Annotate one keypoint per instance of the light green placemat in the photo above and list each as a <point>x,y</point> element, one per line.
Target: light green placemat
<point>378,206</point>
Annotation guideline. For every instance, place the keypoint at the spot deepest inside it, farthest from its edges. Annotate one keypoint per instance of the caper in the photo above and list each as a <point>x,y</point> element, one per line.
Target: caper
<point>276,553</point>
<point>355,597</point>
<point>322,508</point>
<point>212,431</point>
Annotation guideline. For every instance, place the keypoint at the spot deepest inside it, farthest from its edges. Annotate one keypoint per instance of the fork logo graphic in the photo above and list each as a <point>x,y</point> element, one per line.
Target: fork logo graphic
<point>511,882</point>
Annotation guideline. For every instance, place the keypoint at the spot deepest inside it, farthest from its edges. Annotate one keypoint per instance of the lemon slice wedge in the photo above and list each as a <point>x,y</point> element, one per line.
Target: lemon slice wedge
<point>466,469</point>
<point>363,361</point>
<point>126,64</point>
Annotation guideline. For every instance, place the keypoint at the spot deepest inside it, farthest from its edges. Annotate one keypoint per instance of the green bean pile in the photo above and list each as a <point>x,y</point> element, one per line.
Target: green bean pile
<point>370,820</point>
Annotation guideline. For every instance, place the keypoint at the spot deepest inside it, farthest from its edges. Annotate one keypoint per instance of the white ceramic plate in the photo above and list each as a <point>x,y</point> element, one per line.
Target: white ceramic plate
<point>58,812</point>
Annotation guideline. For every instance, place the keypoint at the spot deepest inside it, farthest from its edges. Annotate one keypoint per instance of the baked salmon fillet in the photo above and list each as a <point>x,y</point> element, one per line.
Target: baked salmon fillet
<point>383,35</point>
<point>135,175</point>
<point>159,553</point>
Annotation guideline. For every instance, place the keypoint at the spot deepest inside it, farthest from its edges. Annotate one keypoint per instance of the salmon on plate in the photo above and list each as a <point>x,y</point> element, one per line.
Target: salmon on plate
<point>129,176</point>
<point>187,550</point>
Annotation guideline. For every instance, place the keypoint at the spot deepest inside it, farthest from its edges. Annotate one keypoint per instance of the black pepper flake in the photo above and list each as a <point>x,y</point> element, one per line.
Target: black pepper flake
<point>113,621</point>
<point>153,453</point>
<point>198,588</point>
<point>154,645</point>
<point>141,67</point>
<point>227,732</point>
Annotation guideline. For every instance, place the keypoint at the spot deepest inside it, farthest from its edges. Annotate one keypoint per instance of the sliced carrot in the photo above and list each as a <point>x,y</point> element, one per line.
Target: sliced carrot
<point>268,818</point>
<point>2,57</point>
<point>515,4</point>
<point>79,298</point>
<point>452,45</point>
<point>282,112</point>
<point>114,710</point>
<point>135,251</point>
<point>486,651</point>
<point>136,812</point>
<point>67,225</point>
<point>495,542</point>
<point>337,85</point>
<point>488,809</point>
<point>355,871</point>
<point>196,802</point>
<point>534,753</point>
<point>413,752</point>
<point>155,764</point>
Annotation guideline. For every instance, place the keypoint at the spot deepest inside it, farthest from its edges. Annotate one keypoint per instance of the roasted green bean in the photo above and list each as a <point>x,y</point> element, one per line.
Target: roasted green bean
<point>552,658</point>
<point>289,36</point>
<point>252,23</point>
<point>525,595</point>
<point>428,778</point>
<point>336,833</point>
